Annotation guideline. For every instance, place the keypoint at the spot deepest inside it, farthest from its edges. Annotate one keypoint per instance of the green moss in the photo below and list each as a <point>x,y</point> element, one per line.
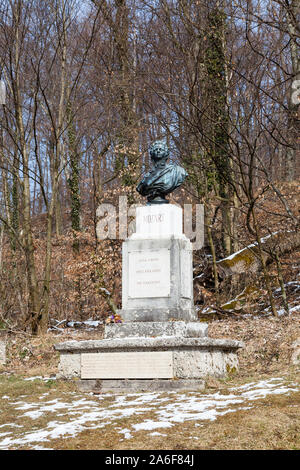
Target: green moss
<point>231,370</point>
<point>230,305</point>
<point>247,257</point>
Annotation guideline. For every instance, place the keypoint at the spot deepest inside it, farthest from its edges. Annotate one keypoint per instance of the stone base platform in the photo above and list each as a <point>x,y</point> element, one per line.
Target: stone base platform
<point>180,358</point>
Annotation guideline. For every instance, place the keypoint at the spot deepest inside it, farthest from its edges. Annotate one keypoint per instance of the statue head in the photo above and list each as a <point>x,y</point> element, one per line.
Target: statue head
<point>159,151</point>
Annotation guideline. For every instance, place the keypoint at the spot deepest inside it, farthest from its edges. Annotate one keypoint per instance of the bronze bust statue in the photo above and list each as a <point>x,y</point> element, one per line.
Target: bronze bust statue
<point>163,178</point>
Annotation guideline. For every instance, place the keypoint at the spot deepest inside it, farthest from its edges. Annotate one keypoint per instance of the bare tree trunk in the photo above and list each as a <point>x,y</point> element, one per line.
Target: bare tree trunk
<point>73,179</point>
<point>264,266</point>
<point>1,244</point>
<point>281,283</point>
<point>218,119</point>
<point>293,151</point>
<point>54,209</point>
<point>34,294</point>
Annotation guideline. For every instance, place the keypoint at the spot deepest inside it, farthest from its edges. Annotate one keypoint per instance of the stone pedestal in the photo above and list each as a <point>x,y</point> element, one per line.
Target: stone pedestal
<point>160,344</point>
<point>157,268</point>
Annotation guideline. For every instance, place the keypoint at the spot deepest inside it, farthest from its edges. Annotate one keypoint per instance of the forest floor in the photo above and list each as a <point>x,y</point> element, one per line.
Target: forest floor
<point>256,408</point>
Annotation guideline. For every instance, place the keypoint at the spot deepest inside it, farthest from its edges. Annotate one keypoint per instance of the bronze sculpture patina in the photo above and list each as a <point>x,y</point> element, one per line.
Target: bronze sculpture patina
<point>163,178</point>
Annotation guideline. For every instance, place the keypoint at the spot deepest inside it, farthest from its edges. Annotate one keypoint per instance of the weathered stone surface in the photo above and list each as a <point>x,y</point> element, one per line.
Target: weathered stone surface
<point>69,365</point>
<point>140,344</point>
<point>195,364</point>
<point>153,329</point>
<point>119,386</point>
<point>135,315</point>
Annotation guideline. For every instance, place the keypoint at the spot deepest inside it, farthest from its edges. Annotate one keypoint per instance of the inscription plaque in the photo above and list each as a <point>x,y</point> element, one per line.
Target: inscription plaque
<point>127,365</point>
<point>149,273</point>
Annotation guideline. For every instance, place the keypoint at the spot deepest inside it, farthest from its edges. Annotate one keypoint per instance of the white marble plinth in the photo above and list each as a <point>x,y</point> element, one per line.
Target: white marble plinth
<point>158,221</point>
<point>157,268</point>
<point>157,280</point>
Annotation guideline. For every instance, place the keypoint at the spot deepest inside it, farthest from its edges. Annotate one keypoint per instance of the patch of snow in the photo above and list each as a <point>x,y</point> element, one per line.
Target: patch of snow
<point>11,425</point>
<point>36,377</point>
<point>103,289</point>
<point>127,434</point>
<point>292,283</point>
<point>238,252</point>
<point>41,448</point>
<point>93,323</point>
<point>39,377</point>
<point>252,245</point>
<point>149,424</point>
<point>281,312</point>
<point>295,284</point>
<point>199,277</point>
<point>296,308</point>
<point>77,415</point>
<point>2,434</point>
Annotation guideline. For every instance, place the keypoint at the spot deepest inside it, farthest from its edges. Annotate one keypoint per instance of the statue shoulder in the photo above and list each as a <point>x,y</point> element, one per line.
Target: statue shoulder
<point>180,170</point>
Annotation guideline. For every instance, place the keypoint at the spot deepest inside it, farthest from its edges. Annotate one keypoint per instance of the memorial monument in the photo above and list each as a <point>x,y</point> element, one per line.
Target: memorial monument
<point>160,345</point>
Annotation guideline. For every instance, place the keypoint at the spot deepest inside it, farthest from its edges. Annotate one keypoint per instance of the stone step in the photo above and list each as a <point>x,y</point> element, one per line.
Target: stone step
<point>134,385</point>
<point>156,329</point>
<point>157,315</point>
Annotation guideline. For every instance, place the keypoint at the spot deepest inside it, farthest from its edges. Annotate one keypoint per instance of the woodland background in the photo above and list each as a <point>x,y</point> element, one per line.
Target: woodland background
<point>86,87</point>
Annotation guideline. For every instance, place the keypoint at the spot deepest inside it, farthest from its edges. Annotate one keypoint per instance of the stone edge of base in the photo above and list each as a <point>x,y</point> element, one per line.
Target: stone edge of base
<point>136,385</point>
<point>144,343</point>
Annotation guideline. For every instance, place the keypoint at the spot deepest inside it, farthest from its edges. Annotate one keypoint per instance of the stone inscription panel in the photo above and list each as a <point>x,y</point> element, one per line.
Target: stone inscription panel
<point>153,218</point>
<point>127,365</point>
<point>149,273</point>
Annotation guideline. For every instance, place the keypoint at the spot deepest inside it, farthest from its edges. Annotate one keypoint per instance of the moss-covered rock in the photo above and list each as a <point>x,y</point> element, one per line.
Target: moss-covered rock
<point>249,259</point>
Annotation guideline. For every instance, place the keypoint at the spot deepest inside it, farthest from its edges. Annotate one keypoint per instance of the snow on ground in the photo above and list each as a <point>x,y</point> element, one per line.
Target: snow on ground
<point>68,419</point>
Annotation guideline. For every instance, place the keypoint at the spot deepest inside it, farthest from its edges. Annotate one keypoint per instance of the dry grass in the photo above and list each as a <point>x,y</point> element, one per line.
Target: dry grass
<point>270,423</point>
<point>268,341</point>
<point>274,424</point>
